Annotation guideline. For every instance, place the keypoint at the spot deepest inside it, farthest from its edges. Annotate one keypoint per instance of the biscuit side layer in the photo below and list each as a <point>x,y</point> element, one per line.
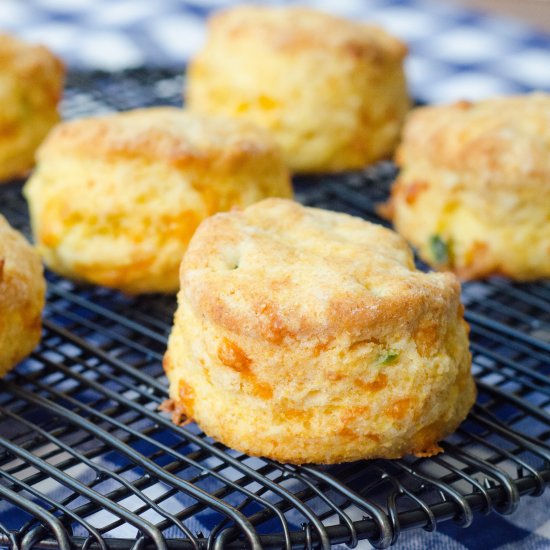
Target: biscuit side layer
<point>22,291</point>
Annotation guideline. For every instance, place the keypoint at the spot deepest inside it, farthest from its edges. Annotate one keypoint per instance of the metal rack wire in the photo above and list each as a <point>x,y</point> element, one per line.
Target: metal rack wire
<point>87,461</point>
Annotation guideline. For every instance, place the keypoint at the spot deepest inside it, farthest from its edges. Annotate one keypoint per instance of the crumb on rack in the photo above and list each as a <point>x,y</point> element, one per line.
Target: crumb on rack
<point>176,411</point>
<point>430,450</point>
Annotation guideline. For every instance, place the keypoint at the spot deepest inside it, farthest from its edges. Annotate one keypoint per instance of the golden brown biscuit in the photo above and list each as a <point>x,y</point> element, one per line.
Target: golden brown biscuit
<point>114,200</point>
<point>31,83</point>
<point>331,91</point>
<point>474,190</point>
<point>22,289</point>
<point>308,336</point>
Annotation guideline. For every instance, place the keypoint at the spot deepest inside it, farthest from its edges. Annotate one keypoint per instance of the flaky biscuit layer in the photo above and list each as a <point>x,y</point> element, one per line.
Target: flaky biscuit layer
<point>308,336</point>
<point>31,84</point>
<point>22,290</point>
<point>115,199</point>
<point>331,91</point>
<point>473,194</point>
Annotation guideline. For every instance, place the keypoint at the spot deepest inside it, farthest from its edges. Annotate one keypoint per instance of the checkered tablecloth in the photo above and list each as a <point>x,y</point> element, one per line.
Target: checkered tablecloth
<point>455,54</point>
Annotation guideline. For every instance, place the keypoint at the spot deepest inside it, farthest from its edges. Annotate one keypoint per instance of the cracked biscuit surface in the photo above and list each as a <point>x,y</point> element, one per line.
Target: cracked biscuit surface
<point>473,194</point>
<point>114,200</point>
<point>22,290</point>
<point>308,336</point>
<point>331,91</point>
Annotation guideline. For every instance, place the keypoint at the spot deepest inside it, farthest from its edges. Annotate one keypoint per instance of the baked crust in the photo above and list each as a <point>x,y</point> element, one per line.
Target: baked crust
<point>297,28</point>
<point>308,336</point>
<point>500,141</point>
<point>474,181</point>
<point>115,200</point>
<point>282,67</point>
<point>31,84</point>
<point>22,290</point>
<point>160,134</point>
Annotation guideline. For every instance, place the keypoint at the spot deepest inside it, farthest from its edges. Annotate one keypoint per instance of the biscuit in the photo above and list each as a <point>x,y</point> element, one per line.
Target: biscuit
<point>308,336</point>
<point>473,195</point>
<point>331,91</point>
<point>31,83</point>
<point>22,290</point>
<point>114,200</point>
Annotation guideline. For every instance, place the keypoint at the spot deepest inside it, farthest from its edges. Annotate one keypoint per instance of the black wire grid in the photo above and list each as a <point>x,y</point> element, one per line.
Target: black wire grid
<point>87,461</point>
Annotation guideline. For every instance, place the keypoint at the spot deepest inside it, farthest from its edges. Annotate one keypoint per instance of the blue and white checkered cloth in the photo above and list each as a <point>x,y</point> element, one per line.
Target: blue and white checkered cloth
<point>455,54</point>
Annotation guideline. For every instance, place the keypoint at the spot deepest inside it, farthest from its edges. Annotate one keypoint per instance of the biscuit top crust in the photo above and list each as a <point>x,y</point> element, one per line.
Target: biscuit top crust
<point>32,64</point>
<point>279,271</point>
<point>294,29</point>
<point>504,141</point>
<point>161,133</point>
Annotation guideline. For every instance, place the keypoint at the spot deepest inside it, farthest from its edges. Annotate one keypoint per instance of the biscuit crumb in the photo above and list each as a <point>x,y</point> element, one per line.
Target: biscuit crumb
<point>430,450</point>
<point>177,413</point>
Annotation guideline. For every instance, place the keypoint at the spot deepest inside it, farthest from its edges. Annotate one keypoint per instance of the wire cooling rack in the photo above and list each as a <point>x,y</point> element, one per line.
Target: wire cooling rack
<point>87,461</point>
